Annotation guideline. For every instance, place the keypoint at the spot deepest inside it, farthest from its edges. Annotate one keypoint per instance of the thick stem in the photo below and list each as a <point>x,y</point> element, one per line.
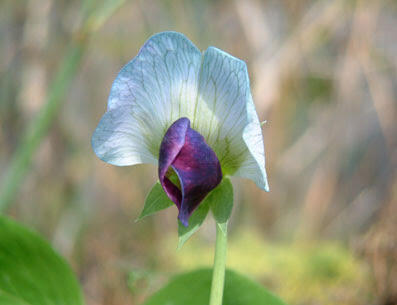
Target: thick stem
<point>218,275</point>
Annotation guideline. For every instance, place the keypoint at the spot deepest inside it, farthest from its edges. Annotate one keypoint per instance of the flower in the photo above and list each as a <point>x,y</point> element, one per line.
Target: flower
<point>191,113</point>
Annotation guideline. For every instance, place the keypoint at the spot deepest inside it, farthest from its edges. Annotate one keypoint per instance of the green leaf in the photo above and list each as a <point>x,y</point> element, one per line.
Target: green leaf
<point>193,288</point>
<point>195,222</point>
<point>155,201</point>
<point>7,299</point>
<point>221,202</point>
<point>31,272</point>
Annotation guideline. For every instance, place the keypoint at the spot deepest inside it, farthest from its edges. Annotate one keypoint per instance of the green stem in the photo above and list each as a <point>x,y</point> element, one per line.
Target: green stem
<point>218,275</point>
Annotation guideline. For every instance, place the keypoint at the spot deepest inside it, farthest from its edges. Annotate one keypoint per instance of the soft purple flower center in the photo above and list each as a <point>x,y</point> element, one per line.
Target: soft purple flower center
<point>188,168</point>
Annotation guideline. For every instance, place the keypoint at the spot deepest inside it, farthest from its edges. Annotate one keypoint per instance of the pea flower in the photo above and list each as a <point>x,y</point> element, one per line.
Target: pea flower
<point>191,113</point>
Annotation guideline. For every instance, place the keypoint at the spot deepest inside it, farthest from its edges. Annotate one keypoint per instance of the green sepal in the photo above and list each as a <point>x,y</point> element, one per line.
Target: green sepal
<point>155,201</point>
<point>195,222</point>
<point>221,203</point>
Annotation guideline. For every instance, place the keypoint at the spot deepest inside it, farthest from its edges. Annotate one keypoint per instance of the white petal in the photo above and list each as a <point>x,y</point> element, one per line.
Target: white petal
<point>225,115</point>
<point>170,79</point>
<point>119,140</point>
<point>253,167</point>
<point>154,89</point>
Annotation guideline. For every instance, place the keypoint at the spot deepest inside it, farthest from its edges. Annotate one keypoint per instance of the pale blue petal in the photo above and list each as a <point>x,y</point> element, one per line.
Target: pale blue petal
<point>225,115</point>
<point>154,90</point>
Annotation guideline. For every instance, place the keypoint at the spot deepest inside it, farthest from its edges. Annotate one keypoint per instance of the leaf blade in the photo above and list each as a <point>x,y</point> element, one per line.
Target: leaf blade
<point>7,299</point>
<point>195,285</point>
<point>30,270</point>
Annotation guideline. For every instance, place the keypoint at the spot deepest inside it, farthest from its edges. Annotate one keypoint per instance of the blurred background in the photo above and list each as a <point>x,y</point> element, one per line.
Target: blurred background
<point>323,75</point>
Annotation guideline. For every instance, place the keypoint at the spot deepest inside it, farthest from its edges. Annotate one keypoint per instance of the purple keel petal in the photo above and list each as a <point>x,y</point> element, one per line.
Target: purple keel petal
<point>196,164</point>
<point>172,143</point>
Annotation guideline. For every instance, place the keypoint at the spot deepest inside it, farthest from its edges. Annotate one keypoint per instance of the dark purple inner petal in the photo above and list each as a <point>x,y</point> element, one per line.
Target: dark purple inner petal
<point>172,143</point>
<point>195,163</point>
